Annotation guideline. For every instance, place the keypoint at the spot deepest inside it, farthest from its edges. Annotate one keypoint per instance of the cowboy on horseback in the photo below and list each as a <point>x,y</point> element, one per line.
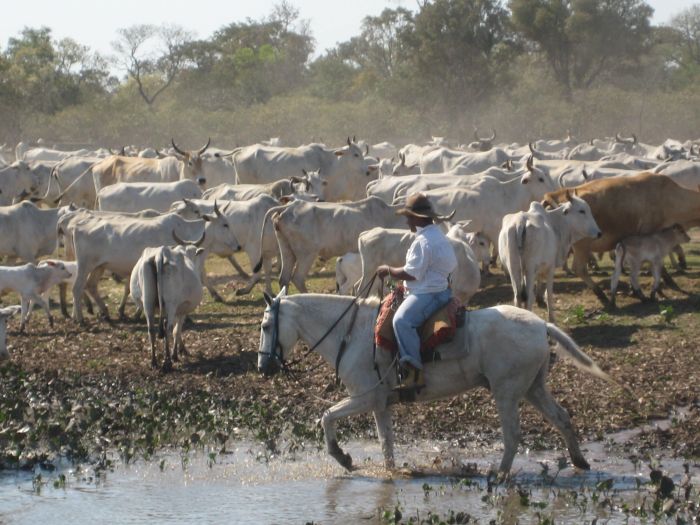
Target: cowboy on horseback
<point>429,261</point>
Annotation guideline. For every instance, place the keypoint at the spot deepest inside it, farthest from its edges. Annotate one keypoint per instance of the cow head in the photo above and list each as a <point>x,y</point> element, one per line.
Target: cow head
<point>311,183</point>
<point>219,231</point>
<point>537,181</point>
<point>579,217</point>
<point>192,161</point>
<point>400,168</point>
<point>482,144</point>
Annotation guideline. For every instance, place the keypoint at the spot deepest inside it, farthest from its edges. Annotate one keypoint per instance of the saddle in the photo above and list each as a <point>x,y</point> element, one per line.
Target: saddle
<point>438,329</point>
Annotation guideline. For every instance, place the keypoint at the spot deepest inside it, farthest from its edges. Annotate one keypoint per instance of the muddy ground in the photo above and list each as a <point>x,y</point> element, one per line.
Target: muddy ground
<point>85,392</point>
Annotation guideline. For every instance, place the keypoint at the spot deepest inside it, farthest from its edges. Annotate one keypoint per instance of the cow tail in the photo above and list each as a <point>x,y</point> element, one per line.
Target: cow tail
<point>268,215</point>
<point>520,233</point>
<point>233,161</point>
<point>159,264</point>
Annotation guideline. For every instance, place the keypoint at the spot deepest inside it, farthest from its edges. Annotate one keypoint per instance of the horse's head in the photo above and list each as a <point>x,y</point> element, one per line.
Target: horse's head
<point>271,351</point>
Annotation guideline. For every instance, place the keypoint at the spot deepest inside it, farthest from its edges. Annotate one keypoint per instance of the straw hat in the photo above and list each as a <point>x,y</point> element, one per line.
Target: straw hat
<point>418,205</point>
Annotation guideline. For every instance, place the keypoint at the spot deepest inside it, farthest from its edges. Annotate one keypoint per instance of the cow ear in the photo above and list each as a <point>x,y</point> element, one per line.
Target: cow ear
<point>51,263</point>
<point>525,178</point>
<point>199,251</point>
<point>207,218</point>
<point>285,199</point>
<point>339,153</point>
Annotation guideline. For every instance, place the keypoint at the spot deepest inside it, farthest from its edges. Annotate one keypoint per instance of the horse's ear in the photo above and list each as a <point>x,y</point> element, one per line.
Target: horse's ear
<point>268,299</point>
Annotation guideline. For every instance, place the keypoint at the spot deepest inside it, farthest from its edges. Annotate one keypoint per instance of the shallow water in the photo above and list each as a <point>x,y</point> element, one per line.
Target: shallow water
<point>249,486</point>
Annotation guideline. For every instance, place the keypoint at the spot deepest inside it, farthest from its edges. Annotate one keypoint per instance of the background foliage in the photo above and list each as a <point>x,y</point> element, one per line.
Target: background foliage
<point>528,68</point>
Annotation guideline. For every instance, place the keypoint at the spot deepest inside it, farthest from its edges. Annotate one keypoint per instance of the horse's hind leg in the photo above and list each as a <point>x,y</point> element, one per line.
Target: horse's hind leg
<point>347,407</point>
<point>540,397</point>
<point>385,432</point>
<point>510,425</point>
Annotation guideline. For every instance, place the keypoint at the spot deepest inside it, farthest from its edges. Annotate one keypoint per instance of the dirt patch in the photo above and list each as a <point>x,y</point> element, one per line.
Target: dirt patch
<point>82,391</point>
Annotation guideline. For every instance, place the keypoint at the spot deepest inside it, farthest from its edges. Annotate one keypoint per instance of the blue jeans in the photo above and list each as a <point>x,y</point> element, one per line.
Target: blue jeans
<point>413,312</point>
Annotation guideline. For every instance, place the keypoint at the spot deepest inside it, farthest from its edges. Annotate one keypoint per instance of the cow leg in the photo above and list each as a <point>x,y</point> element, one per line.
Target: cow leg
<point>179,343</point>
<point>62,299</point>
<point>78,290</point>
<point>581,258</point>
<point>656,267</point>
<point>529,288</point>
<point>91,287</point>
<point>669,280</point>
<point>125,297</point>
<point>206,281</point>
<point>516,283</point>
<point>168,360</point>
<point>550,296</point>
<point>38,299</point>
<point>540,398</point>
<point>510,425</point>
<point>237,267</point>
<point>25,309</point>
<point>540,289</point>
<point>347,407</point>
<point>302,270</point>
<point>385,432</point>
<point>635,268</point>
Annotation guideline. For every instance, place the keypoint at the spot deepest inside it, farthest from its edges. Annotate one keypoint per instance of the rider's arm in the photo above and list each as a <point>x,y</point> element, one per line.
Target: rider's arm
<point>396,272</point>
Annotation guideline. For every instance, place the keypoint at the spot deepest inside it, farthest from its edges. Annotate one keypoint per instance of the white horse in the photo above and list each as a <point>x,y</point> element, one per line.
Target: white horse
<point>504,348</point>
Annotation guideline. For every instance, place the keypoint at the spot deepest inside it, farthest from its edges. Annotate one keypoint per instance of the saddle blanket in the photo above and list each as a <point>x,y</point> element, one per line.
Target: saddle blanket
<point>438,329</point>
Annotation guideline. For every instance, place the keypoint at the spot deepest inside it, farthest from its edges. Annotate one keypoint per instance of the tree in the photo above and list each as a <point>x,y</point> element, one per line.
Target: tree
<point>152,56</point>
<point>452,48</point>
<point>687,26</point>
<point>583,39</point>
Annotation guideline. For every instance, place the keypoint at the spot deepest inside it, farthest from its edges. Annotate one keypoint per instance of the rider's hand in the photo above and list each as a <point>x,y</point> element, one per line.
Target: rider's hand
<point>383,271</point>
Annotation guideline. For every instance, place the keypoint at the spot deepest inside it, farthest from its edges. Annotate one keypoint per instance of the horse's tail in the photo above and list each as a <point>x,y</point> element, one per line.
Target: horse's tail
<point>566,346</point>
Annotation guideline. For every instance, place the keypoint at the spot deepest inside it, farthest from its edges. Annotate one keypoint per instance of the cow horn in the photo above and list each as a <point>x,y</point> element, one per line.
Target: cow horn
<point>532,149</point>
<point>634,138</point>
<point>493,135</point>
<point>528,164</point>
<point>402,157</point>
<point>189,243</point>
<point>303,170</point>
<point>590,142</point>
<point>476,134</point>
<point>205,147</point>
<point>295,180</point>
<point>122,152</point>
<point>560,179</point>
<point>172,141</point>
<point>110,151</point>
<point>366,150</point>
<point>216,208</point>
<point>354,139</point>
<point>585,174</point>
<point>349,142</point>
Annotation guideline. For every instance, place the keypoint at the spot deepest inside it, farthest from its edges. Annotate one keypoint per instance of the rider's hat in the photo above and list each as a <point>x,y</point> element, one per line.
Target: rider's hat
<point>418,205</point>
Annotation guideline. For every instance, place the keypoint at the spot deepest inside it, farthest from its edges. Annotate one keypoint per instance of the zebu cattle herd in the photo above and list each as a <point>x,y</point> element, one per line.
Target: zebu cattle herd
<point>151,217</point>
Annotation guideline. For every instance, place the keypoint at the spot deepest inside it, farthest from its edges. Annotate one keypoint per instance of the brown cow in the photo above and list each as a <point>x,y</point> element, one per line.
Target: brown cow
<point>624,206</point>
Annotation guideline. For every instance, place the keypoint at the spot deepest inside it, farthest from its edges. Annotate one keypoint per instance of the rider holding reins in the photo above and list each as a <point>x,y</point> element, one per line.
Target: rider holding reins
<point>429,261</point>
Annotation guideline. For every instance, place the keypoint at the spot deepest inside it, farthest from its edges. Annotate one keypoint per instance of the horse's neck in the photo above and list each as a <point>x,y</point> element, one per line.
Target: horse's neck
<point>316,315</point>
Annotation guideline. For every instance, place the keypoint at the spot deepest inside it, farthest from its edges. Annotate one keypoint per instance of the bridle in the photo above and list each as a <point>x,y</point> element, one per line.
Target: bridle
<point>277,352</point>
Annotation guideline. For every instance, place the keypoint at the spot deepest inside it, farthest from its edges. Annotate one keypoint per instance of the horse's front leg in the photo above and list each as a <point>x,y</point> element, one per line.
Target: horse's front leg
<point>347,407</point>
<point>385,432</point>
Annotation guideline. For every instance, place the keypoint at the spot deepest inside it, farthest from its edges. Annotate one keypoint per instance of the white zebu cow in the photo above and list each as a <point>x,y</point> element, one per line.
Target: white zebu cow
<point>348,270</point>
<point>71,181</point>
<point>389,246</point>
<point>533,244</point>
<point>246,220</point>
<point>103,243</point>
<point>442,160</point>
<point>16,180</point>
<point>486,203</point>
<point>169,277</point>
<point>307,229</point>
<point>309,183</point>
<point>30,281</point>
<point>28,232</point>
<point>5,314</point>
<point>634,251</point>
<point>132,197</point>
<point>36,154</point>
<point>344,168</point>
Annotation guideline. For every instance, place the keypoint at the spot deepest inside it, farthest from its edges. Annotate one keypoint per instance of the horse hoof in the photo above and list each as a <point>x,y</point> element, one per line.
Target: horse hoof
<point>581,463</point>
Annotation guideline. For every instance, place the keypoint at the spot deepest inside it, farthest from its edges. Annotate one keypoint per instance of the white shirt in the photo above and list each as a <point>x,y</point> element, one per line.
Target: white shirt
<point>430,259</point>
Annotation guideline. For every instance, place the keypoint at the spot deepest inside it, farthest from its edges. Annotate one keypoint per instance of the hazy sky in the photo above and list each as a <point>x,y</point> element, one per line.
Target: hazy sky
<point>95,22</point>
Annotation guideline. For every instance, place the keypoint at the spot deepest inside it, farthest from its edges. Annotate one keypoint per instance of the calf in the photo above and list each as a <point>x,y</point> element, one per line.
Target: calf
<point>30,281</point>
<point>533,244</point>
<point>638,249</point>
<point>171,278</point>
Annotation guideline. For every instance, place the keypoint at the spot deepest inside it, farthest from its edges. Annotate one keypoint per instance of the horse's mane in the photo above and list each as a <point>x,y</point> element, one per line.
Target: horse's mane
<point>370,301</point>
